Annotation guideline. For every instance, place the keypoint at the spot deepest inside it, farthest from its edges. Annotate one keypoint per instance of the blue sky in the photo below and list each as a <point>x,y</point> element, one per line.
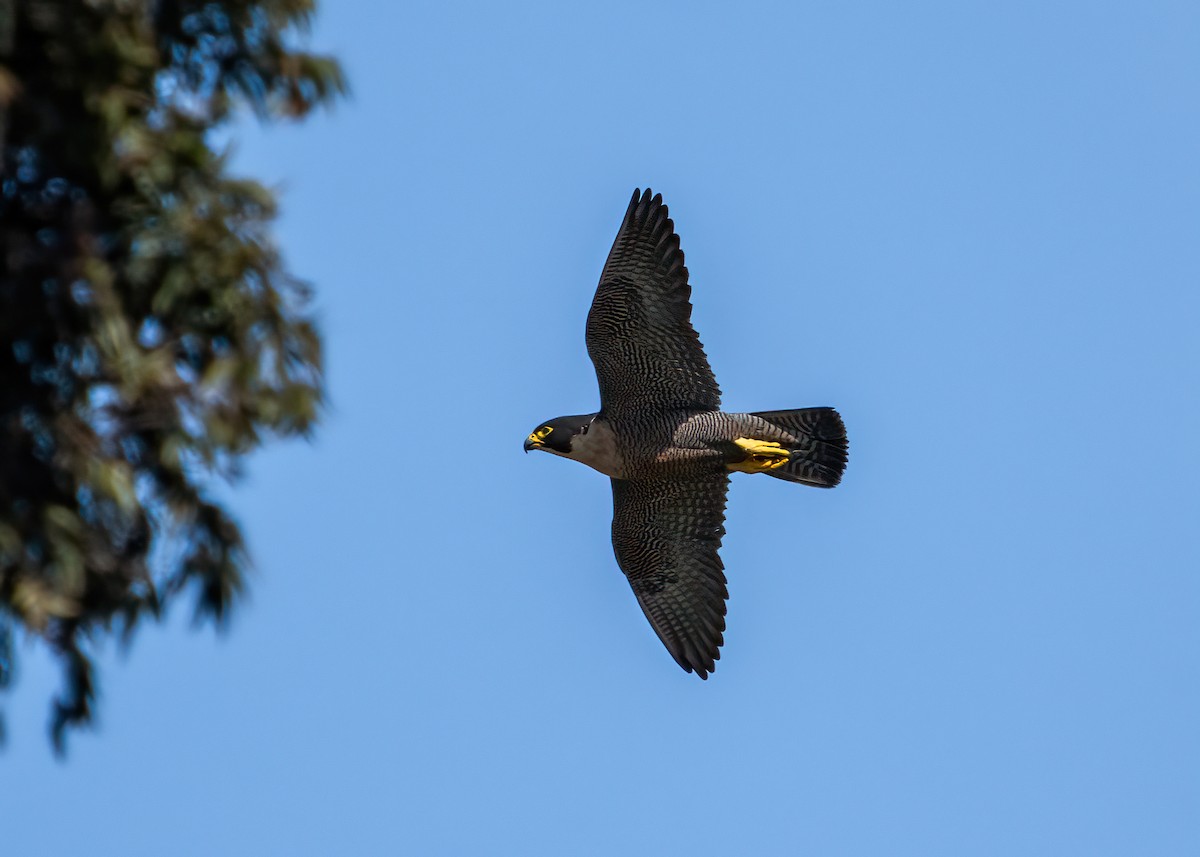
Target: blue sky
<point>971,227</point>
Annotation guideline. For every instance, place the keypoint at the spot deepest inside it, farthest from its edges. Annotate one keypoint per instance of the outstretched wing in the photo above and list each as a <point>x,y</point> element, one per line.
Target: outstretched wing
<point>639,329</point>
<point>666,534</point>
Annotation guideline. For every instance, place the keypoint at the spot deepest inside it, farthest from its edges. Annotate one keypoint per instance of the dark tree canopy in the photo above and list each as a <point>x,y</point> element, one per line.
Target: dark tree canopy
<point>150,335</point>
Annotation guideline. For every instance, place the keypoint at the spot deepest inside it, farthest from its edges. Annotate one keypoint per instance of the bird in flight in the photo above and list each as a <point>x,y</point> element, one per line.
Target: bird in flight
<point>668,447</point>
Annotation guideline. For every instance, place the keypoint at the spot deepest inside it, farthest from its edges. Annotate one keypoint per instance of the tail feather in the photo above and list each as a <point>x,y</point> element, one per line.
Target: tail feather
<point>818,450</point>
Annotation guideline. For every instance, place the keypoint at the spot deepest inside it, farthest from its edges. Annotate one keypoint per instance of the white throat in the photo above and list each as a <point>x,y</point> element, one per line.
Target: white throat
<point>598,450</point>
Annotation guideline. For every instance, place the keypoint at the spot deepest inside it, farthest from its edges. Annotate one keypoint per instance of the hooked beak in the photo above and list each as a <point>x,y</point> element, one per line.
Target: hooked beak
<point>532,442</point>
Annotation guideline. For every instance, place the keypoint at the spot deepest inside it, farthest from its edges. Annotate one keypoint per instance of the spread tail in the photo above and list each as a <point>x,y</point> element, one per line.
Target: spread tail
<point>817,446</point>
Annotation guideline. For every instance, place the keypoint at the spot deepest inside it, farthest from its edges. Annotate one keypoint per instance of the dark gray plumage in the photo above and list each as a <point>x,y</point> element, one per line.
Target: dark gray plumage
<point>661,436</point>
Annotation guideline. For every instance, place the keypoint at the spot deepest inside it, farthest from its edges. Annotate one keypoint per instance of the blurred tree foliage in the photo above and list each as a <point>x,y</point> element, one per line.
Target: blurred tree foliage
<point>149,333</point>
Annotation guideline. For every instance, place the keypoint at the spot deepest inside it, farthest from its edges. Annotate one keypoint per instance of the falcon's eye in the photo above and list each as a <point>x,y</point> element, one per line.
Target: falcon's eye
<point>541,433</point>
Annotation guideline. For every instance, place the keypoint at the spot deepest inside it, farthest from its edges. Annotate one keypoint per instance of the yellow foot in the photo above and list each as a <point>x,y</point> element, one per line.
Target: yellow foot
<point>761,455</point>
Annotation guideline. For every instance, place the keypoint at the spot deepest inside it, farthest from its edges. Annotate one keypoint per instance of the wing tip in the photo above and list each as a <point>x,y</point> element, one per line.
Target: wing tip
<point>633,203</point>
<point>644,205</point>
<point>702,672</point>
<point>693,658</point>
<point>649,215</point>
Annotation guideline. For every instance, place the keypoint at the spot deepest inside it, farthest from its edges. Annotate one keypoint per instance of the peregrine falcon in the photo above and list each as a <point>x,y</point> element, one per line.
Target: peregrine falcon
<point>663,439</point>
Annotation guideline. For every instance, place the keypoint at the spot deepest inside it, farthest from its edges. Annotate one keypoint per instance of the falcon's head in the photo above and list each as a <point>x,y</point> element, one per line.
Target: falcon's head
<point>558,434</point>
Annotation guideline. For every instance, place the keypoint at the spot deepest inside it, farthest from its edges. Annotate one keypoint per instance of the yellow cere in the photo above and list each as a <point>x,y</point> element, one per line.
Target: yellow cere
<point>540,435</point>
<point>761,455</point>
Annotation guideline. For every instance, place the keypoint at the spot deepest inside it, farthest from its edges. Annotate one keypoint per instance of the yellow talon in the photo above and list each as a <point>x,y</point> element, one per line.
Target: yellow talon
<point>760,455</point>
